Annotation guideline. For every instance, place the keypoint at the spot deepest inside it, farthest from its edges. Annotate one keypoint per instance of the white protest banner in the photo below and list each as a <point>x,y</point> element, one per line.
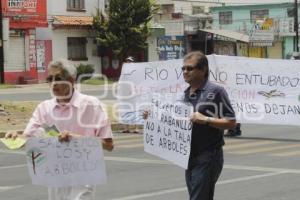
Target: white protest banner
<point>55,164</point>
<point>262,91</point>
<point>137,83</point>
<point>167,130</point>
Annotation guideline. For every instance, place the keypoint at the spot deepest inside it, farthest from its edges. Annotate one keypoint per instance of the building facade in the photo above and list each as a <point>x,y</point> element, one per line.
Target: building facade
<point>21,18</point>
<point>70,30</point>
<point>182,20</point>
<point>38,31</point>
<point>270,28</point>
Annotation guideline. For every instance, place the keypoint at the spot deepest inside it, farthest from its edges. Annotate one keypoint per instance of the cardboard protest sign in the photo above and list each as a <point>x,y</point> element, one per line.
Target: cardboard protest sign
<point>55,164</point>
<point>167,130</point>
<point>262,91</point>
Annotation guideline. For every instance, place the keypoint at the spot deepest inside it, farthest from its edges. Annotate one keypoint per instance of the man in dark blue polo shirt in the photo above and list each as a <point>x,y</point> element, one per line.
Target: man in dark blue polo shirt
<point>212,114</point>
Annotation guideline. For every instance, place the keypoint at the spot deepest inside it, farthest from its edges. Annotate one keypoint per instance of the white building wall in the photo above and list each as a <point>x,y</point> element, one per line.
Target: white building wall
<point>59,7</point>
<point>60,47</point>
<point>183,7</point>
<point>163,2</point>
<point>186,7</point>
<point>173,27</point>
<point>152,49</point>
<point>59,36</point>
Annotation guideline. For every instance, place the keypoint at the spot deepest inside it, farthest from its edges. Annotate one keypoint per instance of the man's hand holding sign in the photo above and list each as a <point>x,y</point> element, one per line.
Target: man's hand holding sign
<point>65,136</point>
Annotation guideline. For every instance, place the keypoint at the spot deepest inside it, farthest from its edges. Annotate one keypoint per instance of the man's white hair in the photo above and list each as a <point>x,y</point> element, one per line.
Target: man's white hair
<point>67,67</point>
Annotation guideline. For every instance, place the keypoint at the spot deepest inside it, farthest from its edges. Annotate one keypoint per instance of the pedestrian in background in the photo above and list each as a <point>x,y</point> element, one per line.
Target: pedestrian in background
<point>74,115</point>
<point>212,114</point>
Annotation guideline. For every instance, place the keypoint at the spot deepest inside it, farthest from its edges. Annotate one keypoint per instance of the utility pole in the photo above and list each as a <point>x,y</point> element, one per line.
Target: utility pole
<point>296,27</point>
<point>1,46</point>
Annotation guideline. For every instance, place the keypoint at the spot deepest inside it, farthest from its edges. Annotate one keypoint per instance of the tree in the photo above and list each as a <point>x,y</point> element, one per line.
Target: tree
<point>125,27</point>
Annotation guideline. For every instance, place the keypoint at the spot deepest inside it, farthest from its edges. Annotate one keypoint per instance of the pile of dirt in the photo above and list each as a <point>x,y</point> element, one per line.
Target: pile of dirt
<point>15,115</point>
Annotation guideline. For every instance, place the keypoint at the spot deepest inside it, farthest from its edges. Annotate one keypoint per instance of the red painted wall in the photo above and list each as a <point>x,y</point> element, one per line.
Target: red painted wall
<point>15,77</point>
<point>26,14</point>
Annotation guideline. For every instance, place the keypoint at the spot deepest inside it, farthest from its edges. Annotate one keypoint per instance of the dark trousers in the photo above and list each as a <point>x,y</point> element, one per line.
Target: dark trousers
<point>202,174</point>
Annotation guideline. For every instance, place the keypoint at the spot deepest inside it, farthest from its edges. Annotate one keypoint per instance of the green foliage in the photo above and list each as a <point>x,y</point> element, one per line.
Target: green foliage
<point>125,27</point>
<point>85,69</point>
<point>6,86</point>
<point>97,81</point>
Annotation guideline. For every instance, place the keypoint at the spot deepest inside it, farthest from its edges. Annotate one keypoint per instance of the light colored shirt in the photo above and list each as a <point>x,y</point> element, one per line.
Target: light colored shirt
<point>83,115</point>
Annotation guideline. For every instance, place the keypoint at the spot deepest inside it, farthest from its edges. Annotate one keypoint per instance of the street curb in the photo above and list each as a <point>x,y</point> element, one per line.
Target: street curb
<point>116,127</point>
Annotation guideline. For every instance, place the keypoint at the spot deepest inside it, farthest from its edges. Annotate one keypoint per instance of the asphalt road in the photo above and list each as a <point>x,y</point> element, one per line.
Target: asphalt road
<point>43,95</point>
<point>263,164</point>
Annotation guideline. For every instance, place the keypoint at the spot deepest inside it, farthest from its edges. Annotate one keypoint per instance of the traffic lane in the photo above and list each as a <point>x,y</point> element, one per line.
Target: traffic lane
<point>271,186</point>
<point>263,159</point>
<point>169,190</point>
<point>268,187</point>
<point>15,184</point>
<point>262,131</point>
<point>133,173</point>
<point>127,179</point>
<point>140,181</point>
<point>44,95</point>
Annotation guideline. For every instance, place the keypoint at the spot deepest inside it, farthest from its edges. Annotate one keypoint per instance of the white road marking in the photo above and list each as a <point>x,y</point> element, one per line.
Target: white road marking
<point>229,141</point>
<point>289,153</point>
<point>12,152</point>
<point>247,178</point>
<point>262,169</point>
<point>265,149</point>
<point>247,145</point>
<point>271,172</point>
<point>181,189</point>
<point>152,194</point>
<point>124,141</point>
<point>163,162</point>
<point>5,188</point>
<point>129,146</point>
<point>13,166</point>
<point>136,160</point>
<point>123,137</point>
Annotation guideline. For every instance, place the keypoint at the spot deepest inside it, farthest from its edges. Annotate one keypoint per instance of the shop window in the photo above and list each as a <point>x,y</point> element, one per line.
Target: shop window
<point>167,9</point>
<point>258,15</point>
<point>77,48</point>
<point>75,5</point>
<point>197,10</point>
<point>225,17</point>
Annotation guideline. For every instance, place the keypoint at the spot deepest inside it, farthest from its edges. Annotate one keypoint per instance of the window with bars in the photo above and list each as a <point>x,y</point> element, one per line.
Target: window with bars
<point>258,15</point>
<point>225,17</point>
<point>75,5</point>
<point>77,48</point>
